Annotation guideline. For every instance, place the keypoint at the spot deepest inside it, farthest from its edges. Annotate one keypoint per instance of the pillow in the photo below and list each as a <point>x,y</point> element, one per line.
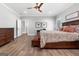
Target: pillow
<point>65,29</point>
<point>69,28</point>
<point>61,29</point>
<point>72,28</point>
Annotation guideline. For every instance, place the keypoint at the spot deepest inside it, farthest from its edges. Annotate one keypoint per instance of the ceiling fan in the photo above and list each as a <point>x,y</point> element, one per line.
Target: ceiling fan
<point>37,7</point>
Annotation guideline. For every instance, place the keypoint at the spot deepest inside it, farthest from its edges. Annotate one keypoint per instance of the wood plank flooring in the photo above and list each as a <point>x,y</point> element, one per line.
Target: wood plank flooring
<point>22,47</point>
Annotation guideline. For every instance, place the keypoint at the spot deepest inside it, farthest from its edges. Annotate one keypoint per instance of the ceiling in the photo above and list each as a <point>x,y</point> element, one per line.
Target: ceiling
<point>49,9</point>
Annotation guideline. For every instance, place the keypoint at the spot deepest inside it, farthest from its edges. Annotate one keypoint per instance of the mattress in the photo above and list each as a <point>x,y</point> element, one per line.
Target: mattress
<point>57,36</point>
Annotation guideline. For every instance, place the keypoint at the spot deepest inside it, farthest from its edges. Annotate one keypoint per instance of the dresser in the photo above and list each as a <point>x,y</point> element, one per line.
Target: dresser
<point>6,35</point>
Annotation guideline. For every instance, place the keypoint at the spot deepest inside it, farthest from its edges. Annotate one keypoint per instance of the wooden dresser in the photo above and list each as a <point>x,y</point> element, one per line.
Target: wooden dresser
<point>6,35</point>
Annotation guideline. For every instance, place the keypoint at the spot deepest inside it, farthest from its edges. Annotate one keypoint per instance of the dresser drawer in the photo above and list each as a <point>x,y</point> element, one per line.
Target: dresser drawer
<point>6,35</point>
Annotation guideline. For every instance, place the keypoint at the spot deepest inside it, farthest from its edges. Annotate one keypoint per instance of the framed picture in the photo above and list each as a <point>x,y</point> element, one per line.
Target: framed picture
<point>72,15</point>
<point>38,24</point>
<point>44,24</point>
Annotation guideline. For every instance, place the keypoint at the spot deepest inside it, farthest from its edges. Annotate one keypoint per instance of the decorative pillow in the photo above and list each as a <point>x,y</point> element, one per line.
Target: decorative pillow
<point>69,28</point>
<point>61,29</point>
<point>65,29</point>
<point>72,28</point>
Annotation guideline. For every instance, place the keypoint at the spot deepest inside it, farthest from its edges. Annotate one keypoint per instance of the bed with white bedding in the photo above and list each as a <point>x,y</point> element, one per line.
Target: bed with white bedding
<point>59,39</point>
<point>56,37</point>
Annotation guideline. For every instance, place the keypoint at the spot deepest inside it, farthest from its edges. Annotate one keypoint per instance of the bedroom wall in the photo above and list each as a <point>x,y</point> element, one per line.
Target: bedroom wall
<point>61,16</point>
<point>30,24</point>
<point>23,26</point>
<point>7,18</point>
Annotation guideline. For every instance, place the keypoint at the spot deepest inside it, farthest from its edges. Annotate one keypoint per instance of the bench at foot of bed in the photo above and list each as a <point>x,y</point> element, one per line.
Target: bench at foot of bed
<point>36,42</point>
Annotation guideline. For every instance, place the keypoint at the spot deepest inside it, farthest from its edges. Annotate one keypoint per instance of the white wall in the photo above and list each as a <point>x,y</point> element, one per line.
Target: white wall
<point>30,24</point>
<point>70,10</point>
<point>7,18</point>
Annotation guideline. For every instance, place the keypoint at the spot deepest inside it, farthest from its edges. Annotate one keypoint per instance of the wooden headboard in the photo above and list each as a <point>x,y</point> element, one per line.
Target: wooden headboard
<point>75,22</point>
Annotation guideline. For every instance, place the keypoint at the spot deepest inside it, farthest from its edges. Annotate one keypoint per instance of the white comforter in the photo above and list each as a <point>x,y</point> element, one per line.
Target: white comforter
<point>56,36</point>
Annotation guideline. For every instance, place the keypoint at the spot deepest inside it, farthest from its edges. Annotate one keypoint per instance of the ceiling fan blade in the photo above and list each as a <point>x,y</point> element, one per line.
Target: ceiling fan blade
<point>34,6</point>
<point>40,5</point>
<point>39,10</point>
<point>29,7</point>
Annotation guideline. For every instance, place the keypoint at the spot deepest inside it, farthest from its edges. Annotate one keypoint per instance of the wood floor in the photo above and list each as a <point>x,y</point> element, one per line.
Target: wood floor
<point>22,47</point>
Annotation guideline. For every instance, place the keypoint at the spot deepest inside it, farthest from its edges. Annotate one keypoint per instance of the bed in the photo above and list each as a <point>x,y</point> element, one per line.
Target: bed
<point>71,41</point>
<point>59,39</point>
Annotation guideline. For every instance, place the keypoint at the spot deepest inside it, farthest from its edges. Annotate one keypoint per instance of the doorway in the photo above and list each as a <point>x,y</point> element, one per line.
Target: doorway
<point>18,28</point>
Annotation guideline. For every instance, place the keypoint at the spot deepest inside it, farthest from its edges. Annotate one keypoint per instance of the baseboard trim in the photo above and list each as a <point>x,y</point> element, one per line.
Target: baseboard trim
<point>31,34</point>
<point>20,36</point>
